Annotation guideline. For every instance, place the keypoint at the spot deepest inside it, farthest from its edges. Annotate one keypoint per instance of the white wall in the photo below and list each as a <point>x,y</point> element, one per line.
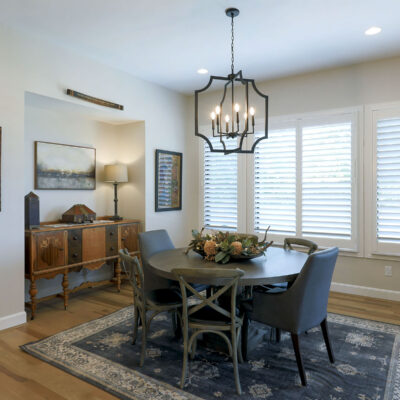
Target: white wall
<point>29,64</point>
<point>355,85</point>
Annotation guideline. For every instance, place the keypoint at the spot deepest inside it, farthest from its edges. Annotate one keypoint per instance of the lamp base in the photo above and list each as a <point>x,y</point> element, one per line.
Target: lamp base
<point>116,218</point>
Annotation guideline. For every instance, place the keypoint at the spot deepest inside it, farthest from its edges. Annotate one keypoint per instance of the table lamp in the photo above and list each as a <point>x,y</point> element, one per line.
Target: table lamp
<point>115,173</point>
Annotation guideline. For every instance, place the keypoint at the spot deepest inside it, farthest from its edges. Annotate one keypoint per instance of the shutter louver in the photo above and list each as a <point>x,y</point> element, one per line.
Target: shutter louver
<point>275,183</point>
<point>220,188</point>
<point>327,180</point>
<point>388,180</point>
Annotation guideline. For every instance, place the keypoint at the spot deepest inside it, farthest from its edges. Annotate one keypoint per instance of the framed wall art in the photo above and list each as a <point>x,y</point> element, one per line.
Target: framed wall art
<point>168,190</point>
<point>61,166</point>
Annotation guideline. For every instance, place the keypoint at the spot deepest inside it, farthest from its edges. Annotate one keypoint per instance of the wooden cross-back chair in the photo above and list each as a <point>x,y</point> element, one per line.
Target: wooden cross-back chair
<point>208,316</point>
<point>155,301</point>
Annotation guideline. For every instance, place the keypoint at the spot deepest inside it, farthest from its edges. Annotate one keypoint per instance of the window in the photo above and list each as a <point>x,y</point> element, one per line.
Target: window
<point>327,181</point>
<point>388,180</point>
<point>275,183</point>
<point>385,190</point>
<point>300,182</point>
<point>220,201</point>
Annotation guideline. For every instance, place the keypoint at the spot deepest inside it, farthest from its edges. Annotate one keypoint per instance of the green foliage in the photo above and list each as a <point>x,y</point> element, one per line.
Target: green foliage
<point>250,245</point>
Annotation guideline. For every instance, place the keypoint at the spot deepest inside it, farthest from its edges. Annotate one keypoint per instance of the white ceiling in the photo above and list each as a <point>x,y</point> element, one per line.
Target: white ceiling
<point>166,41</point>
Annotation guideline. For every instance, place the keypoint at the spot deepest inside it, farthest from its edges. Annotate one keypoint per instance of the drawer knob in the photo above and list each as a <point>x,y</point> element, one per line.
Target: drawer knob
<point>111,233</point>
<point>75,255</point>
<point>75,237</point>
<point>112,248</point>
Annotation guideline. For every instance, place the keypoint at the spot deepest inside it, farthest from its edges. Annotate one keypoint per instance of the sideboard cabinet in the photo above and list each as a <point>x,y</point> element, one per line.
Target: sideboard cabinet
<point>58,248</point>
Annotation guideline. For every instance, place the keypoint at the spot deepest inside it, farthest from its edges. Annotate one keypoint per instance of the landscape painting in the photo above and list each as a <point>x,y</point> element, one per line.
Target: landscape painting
<point>168,188</point>
<point>60,166</point>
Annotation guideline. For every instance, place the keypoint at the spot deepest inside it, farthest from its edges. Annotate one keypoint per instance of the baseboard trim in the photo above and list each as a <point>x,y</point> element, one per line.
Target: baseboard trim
<point>12,320</point>
<point>366,291</point>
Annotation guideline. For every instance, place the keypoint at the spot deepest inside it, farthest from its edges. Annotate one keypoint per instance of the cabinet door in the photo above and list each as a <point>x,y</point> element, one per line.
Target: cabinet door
<point>93,246</point>
<point>129,237</point>
<point>50,250</point>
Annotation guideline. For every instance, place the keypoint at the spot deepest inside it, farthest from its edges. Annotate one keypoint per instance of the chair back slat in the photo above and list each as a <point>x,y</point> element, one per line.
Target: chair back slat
<point>309,244</point>
<point>228,278</point>
<point>134,272</point>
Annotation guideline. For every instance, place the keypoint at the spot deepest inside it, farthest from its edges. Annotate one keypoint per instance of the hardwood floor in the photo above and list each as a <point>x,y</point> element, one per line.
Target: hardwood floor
<point>25,377</point>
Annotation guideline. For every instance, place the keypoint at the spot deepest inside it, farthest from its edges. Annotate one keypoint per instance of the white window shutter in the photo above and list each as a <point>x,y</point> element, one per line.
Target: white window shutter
<point>220,189</point>
<point>327,180</point>
<point>275,183</point>
<point>388,180</point>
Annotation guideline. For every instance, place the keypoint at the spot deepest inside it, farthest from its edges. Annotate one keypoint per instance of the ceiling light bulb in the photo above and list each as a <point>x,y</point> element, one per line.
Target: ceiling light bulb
<point>202,71</point>
<point>237,107</point>
<point>212,115</point>
<point>227,118</point>
<point>252,111</point>
<point>218,110</point>
<point>374,30</point>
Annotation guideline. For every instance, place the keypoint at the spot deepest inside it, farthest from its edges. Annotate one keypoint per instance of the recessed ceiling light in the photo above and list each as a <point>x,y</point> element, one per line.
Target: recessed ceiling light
<point>374,30</point>
<point>202,71</point>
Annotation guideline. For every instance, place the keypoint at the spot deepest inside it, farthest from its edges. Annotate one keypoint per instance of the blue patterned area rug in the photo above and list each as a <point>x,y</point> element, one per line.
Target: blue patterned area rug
<point>367,363</point>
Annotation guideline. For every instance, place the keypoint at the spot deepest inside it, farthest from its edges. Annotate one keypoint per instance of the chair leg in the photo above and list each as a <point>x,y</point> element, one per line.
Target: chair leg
<point>324,327</point>
<point>239,347</point>
<point>245,336</point>
<point>185,355</point>
<point>135,325</point>
<point>277,335</point>
<point>296,347</point>
<point>194,346</point>
<point>144,338</point>
<point>235,361</point>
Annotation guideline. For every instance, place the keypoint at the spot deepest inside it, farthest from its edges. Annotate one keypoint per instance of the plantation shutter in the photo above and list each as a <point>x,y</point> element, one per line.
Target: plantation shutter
<point>275,182</point>
<point>220,188</point>
<point>327,180</point>
<point>388,180</point>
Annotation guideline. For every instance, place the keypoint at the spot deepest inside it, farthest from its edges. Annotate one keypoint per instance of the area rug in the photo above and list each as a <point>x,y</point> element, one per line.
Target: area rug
<point>367,363</point>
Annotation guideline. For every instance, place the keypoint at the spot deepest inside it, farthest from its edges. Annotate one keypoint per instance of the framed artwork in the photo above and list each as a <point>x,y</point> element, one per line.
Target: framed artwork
<point>168,188</point>
<point>61,166</point>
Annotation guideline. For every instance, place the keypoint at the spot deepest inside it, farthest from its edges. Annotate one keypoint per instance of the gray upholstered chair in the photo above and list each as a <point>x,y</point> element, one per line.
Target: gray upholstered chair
<point>302,306</point>
<point>150,243</point>
<point>155,300</point>
<point>208,316</point>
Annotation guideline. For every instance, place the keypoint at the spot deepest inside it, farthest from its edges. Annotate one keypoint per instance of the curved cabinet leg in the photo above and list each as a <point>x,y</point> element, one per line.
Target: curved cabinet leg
<point>65,284</point>
<point>33,292</point>
<point>118,275</point>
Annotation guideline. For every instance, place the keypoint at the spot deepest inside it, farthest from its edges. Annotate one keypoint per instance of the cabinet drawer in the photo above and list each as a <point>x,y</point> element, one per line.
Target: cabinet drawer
<point>111,240</point>
<point>74,246</point>
<point>50,249</point>
<point>129,237</point>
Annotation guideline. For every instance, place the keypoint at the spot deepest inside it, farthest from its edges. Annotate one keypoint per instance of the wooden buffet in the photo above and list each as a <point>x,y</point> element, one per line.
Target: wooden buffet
<point>58,248</point>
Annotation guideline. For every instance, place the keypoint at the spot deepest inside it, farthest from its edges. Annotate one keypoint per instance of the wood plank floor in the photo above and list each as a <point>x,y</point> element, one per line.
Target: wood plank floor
<point>25,377</point>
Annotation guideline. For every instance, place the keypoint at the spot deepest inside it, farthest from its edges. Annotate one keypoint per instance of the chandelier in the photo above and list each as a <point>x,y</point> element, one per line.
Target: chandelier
<point>225,121</point>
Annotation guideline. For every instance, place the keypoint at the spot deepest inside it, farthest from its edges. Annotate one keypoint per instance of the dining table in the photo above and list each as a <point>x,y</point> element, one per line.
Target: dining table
<point>277,265</point>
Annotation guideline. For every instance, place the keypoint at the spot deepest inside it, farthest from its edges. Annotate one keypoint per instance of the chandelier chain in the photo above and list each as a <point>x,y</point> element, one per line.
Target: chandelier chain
<point>232,48</point>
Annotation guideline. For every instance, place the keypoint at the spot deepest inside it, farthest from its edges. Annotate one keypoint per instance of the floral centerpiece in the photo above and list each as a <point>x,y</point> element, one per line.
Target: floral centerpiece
<point>222,246</point>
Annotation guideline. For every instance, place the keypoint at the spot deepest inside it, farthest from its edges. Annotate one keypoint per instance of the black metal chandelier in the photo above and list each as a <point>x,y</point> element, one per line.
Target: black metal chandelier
<point>232,126</point>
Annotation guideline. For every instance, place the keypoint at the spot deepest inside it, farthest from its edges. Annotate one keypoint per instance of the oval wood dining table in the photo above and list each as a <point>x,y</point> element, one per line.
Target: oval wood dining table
<point>277,265</point>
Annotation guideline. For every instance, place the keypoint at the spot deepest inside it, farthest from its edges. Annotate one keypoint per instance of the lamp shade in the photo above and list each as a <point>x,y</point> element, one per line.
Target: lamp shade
<point>115,173</point>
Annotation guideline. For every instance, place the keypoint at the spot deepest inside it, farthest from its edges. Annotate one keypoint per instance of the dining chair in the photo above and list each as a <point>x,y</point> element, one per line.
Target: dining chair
<point>208,316</point>
<point>156,301</point>
<point>302,306</point>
